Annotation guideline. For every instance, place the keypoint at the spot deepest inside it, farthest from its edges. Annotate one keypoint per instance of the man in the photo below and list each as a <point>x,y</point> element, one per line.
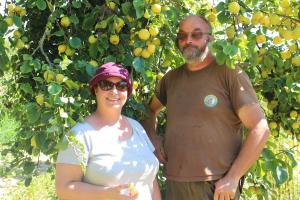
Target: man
<point>207,106</point>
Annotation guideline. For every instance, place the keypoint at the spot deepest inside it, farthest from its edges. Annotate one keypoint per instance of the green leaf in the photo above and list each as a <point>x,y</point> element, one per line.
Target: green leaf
<point>76,4</point>
<point>126,8</point>
<point>38,79</point>
<point>74,19</point>
<point>26,87</point>
<point>220,57</point>
<point>281,175</point>
<point>36,64</point>
<point>54,89</point>
<point>139,64</point>
<point>33,112</point>
<point>221,6</point>
<point>88,23</point>
<point>3,27</point>
<point>75,42</point>
<point>26,68</point>
<point>17,21</point>
<point>59,33</point>
<point>139,6</point>
<point>27,181</point>
<point>27,57</point>
<point>224,17</point>
<point>41,4</point>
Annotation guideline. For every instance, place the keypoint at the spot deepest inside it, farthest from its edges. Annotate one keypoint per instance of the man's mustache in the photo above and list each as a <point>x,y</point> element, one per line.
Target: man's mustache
<point>188,46</point>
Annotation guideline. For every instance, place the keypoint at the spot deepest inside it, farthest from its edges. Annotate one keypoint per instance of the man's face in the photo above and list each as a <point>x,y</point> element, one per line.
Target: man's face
<point>193,38</point>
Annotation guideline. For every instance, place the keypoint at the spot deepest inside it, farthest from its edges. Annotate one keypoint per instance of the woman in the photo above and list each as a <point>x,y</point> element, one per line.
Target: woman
<point>111,157</point>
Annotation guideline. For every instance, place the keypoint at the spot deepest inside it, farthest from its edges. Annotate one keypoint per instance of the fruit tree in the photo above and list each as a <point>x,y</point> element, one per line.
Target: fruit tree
<point>51,48</point>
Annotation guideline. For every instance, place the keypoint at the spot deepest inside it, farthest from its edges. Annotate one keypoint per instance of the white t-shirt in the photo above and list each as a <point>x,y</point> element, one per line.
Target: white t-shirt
<point>110,162</point>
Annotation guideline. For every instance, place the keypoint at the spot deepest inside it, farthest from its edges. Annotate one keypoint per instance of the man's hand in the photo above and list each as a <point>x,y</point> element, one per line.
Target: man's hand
<point>159,149</point>
<point>225,188</point>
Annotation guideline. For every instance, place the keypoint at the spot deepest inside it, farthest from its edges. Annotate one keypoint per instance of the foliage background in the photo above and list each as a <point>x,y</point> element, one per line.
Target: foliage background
<point>49,49</point>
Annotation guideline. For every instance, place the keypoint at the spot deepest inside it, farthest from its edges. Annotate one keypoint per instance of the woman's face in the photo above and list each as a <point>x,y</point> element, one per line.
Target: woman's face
<point>111,97</point>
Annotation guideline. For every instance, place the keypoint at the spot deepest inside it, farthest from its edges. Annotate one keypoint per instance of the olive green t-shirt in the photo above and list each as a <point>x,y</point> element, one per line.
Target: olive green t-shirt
<point>204,133</point>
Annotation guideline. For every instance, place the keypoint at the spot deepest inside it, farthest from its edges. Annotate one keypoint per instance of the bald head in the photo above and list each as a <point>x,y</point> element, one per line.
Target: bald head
<point>194,21</point>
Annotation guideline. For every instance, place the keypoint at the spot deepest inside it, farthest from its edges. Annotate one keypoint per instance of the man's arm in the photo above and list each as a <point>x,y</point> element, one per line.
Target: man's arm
<point>149,125</point>
<point>253,119</point>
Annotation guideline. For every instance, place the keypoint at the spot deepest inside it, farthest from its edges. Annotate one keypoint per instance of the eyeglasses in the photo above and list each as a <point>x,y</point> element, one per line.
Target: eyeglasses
<point>196,35</point>
<point>108,85</point>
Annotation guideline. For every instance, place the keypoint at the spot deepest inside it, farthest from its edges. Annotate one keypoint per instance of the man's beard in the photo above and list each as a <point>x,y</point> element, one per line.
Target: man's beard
<point>193,54</point>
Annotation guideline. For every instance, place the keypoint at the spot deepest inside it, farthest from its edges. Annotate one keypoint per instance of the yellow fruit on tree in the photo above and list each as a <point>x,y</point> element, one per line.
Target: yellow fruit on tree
<point>274,133</point>
<point>262,51</point>
<point>293,114</point>
<point>293,48</point>
<point>287,34</point>
<point>65,21</point>
<point>137,51</point>
<point>20,44</point>
<point>234,7</point>
<point>277,40</point>
<point>265,21</point>
<point>275,20</point>
<point>244,20</point>
<point>261,39</point>
<point>145,53</point>
<point>296,61</point>
<point>62,48</point>
<point>156,41</point>
<point>212,17</point>
<point>144,34</point>
<point>17,34</point>
<point>118,24</point>
<point>146,14</point>
<point>69,51</point>
<point>295,125</point>
<point>296,33</point>
<point>285,3</point>
<point>256,17</point>
<point>49,75</point>
<point>129,18</point>
<point>94,63</point>
<point>60,78</point>
<point>92,39</point>
<point>11,7</point>
<point>33,142</point>
<point>9,21</point>
<point>153,31</point>
<point>135,85</point>
<point>111,5</point>
<point>230,32</point>
<point>286,55</point>
<point>151,48</point>
<point>273,125</point>
<point>114,39</point>
<point>40,99</point>
<point>156,8</point>
<point>22,12</point>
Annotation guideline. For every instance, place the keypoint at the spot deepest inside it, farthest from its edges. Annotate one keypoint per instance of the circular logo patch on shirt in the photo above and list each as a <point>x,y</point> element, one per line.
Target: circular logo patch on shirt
<point>210,101</point>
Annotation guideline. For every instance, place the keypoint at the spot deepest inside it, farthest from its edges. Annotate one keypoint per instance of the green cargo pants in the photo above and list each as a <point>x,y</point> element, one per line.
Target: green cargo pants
<point>202,190</point>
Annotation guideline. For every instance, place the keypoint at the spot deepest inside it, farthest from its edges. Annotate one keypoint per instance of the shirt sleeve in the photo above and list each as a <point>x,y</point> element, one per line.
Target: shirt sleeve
<point>161,92</point>
<point>241,90</point>
<point>77,151</point>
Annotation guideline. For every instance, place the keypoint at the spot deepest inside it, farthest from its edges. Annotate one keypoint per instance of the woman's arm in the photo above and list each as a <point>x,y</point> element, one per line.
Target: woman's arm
<point>69,186</point>
<point>156,192</point>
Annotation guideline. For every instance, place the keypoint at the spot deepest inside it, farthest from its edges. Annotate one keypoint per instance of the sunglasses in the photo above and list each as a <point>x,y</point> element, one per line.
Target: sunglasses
<point>196,35</point>
<point>108,85</point>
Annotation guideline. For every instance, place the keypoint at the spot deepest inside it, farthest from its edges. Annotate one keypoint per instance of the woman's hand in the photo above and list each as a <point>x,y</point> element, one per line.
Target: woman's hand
<point>121,192</point>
